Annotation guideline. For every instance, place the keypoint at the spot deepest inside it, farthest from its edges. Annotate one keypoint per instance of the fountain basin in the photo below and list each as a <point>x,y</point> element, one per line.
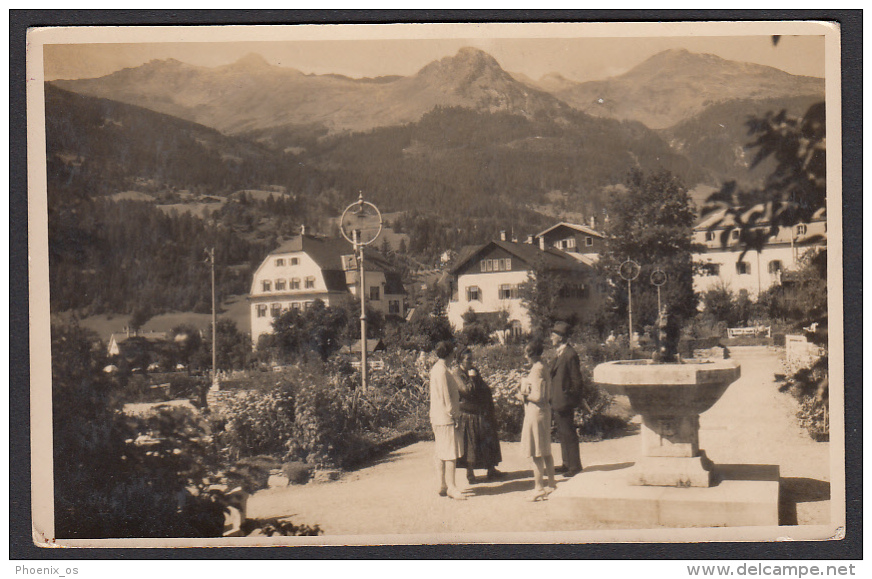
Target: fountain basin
<point>670,398</point>
<point>691,387</point>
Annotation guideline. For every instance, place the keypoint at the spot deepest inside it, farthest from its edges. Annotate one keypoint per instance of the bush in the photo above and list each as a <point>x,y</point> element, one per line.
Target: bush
<point>811,388</point>
<point>259,422</point>
<point>298,473</point>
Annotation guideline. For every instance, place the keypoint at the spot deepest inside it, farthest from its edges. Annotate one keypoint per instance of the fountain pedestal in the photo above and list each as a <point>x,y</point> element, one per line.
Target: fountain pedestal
<point>672,483</point>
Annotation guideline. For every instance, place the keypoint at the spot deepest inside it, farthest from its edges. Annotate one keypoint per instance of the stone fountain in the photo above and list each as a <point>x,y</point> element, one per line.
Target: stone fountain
<point>670,394</point>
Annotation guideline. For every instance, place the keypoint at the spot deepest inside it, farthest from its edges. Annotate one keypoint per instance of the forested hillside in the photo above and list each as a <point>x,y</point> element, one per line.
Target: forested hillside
<point>458,162</point>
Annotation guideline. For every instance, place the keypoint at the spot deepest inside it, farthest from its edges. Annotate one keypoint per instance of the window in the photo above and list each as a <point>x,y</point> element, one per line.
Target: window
<point>295,306</point>
<point>775,266</point>
<point>261,310</point>
<point>280,262</point>
<point>295,283</point>
<point>742,268</point>
<point>711,269</point>
<point>473,293</point>
<point>516,328</point>
<point>280,285</point>
<point>295,261</point>
<point>483,265</point>
<point>709,235</point>
<point>394,307</point>
<point>734,234</point>
<point>588,241</point>
<point>275,310</point>
<point>490,264</point>
<point>310,282</point>
<point>508,291</point>
<point>267,285</point>
<point>308,305</point>
<point>508,264</point>
<point>801,229</point>
<point>374,293</point>
<point>574,290</point>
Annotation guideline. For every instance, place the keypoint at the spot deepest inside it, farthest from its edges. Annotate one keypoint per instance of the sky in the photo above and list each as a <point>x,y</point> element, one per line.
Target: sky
<point>575,58</point>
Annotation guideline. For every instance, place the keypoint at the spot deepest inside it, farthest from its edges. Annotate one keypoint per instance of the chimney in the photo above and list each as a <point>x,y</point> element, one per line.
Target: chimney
<point>542,243</point>
<point>502,234</point>
<point>302,230</point>
<point>593,221</point>
<point>529,239</point>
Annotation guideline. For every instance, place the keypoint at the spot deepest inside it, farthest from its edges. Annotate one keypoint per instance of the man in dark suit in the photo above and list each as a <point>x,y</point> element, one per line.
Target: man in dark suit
<point>566,395</point>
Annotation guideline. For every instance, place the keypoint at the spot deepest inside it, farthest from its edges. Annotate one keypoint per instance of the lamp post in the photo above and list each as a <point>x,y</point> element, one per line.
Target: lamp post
<point>629,271</point>
<point>658,278</point>
<point>359,219</point>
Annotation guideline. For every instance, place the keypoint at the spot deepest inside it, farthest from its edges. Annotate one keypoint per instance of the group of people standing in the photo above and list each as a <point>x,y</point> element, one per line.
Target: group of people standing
<point>464,422</point>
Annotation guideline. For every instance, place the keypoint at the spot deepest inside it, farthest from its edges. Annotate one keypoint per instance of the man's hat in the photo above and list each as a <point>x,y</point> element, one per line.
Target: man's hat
<point>561,329</point>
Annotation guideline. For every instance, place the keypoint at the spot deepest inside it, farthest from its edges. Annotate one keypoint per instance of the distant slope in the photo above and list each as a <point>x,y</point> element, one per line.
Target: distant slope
<point>675,85</point>
<point>100,147</point>
<point>717,137</point>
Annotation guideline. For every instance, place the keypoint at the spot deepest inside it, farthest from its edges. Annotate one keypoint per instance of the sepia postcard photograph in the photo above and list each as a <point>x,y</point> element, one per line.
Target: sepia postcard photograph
<point>420,284</point>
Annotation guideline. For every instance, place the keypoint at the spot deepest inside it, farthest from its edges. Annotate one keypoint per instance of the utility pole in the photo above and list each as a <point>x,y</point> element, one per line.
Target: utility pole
<point>215,385</point>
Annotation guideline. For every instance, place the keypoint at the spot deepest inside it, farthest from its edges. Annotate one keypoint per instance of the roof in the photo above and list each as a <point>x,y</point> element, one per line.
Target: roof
<point>154,337</point>
<point>721,219</point>
<point>372,345</point>
<point>327,254</point>
<point>529,253</point>
<point>582,228</point>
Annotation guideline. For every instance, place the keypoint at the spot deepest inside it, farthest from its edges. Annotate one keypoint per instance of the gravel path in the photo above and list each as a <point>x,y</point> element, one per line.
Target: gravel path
<point>752,423</point>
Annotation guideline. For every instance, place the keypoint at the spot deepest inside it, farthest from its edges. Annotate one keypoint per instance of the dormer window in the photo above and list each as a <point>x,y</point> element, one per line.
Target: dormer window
<point>588,241</point>
<point>709,235</point>
<point>801,229</point>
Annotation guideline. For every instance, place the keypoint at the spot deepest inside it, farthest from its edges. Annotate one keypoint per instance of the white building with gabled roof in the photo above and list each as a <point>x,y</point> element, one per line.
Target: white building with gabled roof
<point>487,279</point>
<point>308,268</point>
<point>726,261</point>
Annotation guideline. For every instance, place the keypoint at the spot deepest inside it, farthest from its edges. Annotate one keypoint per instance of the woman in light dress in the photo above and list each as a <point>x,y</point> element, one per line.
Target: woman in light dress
<point>535,393</point>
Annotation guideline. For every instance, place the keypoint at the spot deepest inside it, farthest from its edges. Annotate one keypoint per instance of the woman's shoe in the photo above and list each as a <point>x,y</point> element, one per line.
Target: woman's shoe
<point>443,492</point>
<point>537,495</point>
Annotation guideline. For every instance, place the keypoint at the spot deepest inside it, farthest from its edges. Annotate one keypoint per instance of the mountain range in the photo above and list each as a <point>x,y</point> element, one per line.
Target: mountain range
<point>251,94</point>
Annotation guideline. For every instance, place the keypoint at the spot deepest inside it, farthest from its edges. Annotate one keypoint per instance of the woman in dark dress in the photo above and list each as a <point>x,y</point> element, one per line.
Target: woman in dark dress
<point>477,427</point>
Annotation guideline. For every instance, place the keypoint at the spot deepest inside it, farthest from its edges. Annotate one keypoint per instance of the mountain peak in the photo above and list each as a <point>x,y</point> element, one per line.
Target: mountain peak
<point>251,60</point>
<point>468,61</point>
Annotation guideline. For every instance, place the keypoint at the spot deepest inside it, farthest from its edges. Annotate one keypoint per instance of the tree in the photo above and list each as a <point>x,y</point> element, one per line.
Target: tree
<point>540,294</point>
<point>651,222</point>
<point>794,192</point>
